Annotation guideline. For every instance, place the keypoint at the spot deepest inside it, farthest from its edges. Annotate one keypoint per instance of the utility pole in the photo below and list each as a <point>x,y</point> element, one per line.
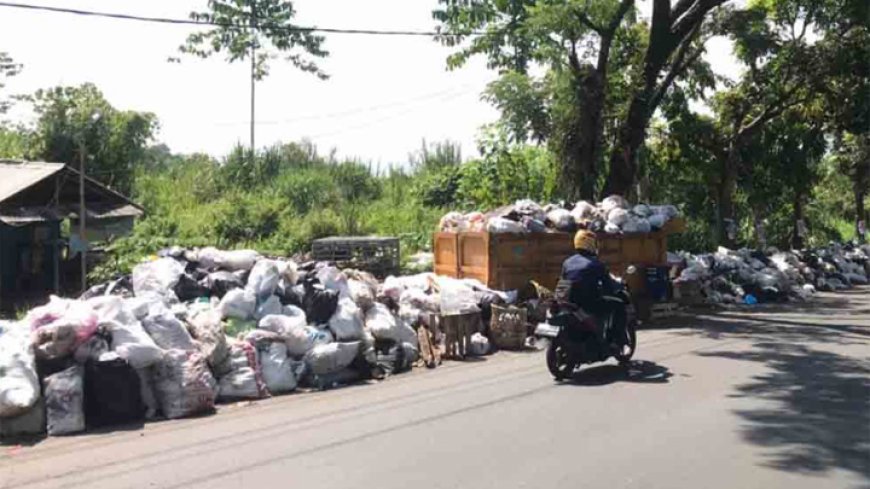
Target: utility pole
<point>82,213</point>
<point>253,72</point>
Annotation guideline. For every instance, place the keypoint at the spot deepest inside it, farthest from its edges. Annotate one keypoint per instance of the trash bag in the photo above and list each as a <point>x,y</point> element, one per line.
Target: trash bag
<point>320,303</point>
<point>500,225</point>
<point>277,368</point>
<point>228,260</point>
<point>272,305</point>
<point>166,330</point>
<point>479,345</point>
<point>534,225</point>
<point>284,325</point>
<point>112,393</point>
<point>263,280</point>
<point>55,341</point>
<point>384,325</point>
<point>561,219</point>
<point>617,216</point>
<point>291,295</point>
<point>219,283</point>
<point>183,384</point>
<point>347,322</point>
<point>457,297</point>
<point>188,289</point>
<point>96,348</point>
<point>206,328</point>
<point>238,303</point>
<point>64,401</point>
<point>613,202</point>
<point>245,379</point>
<point>394,357</point>
<point>583,211</point>
<point>19,383</point>
<point>158,277</point>
<point>331,358</point>
<point>361,293</point>
<point>29,423</point>
<point>146,391</point>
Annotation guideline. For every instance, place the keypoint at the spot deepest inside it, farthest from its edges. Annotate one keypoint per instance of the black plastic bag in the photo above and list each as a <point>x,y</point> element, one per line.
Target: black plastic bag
<point>112,394</point>
<point>291,295</point>
<point>320,303</point>
<point>392,357</point>
<point>219,283</point>
<point>188,289</point>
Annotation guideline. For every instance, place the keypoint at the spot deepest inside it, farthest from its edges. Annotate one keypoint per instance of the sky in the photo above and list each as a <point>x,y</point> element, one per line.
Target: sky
<point>384,95</point>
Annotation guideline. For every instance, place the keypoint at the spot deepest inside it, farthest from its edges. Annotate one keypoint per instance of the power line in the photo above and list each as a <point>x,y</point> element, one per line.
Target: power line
<point>440,94</point>
<point>165,20</point>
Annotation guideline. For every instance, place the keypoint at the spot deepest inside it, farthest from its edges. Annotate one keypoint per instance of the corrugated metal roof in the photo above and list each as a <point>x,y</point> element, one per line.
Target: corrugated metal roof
<point>18,176</point>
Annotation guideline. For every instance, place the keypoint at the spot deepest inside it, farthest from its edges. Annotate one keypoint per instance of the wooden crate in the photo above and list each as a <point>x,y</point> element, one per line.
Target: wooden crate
<point>509,261</point>
<point>377,255</point>
<point>508,327</point>
<point>458,329</point>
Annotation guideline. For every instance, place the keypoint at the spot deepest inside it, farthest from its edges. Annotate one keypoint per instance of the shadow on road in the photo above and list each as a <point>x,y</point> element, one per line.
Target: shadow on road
<point>816,401</point>
<point>820,416</point>
<point>639,371</point>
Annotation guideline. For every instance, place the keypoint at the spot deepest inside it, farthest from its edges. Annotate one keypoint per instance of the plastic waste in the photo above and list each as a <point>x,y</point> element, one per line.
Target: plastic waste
<point>239,304</point>
<point>499,225</point>
<point>183,384</point>
<point>158,277</point>
<point>112,393</point>
<point>332,357</point>
<point>64,401</point>
<point>277,368</point>
<point>347,322</point>
<point>244,380</point>
<point>263,280</point>
<point>19,384</point>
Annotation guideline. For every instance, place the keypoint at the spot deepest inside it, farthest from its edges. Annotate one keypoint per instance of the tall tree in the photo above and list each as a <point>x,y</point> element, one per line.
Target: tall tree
<point>573,38</point>
<point>8,68</point>
<point>258,31</point>
<point>675,43</point>
<point>853,157</point>
<point>75,119</point>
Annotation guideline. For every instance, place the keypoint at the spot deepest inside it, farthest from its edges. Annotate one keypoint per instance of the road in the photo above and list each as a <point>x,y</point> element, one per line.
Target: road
<point>775,398</point>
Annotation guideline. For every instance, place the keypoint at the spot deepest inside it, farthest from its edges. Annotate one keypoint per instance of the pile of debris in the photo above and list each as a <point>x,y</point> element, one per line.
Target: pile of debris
<point>748,276</point>
<point>192,328</point>
<point>613,215</point>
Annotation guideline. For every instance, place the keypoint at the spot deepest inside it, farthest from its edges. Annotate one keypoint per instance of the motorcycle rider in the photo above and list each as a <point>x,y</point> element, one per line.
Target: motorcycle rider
<point>585,280</point>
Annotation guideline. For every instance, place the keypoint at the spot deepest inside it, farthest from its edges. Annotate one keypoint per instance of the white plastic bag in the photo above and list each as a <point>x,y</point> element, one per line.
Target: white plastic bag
<point>456,297</point>
<point>617,216</point>
<point>583,211</point>
<point>64,401</point>
<point>333,279</point>
<point>238,304</point>
<point>479,345</point>
<point>166,330</point>
<point>237,259</point>
<point>244,380</point>
<point>347,322</point>
<point>263,279</point>
<point>384,325</point>
<point>361,293</point>
<point>157,277</point>
<point>272,305</point>
<point>561,218</point>
<point>332,357</point>
<point>500,225</point>
<point>206,328</point>
<point>19,384</point>
<point>613,202</point>
<point>183,384</point>
<point>277,369</point>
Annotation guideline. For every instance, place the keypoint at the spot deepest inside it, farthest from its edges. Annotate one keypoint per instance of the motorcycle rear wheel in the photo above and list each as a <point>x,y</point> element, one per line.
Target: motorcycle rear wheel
<point>627,350</point>
<point>558,360</point>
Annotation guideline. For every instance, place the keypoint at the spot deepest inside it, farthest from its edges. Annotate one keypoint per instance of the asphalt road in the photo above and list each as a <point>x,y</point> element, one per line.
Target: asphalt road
<point>768,399</point>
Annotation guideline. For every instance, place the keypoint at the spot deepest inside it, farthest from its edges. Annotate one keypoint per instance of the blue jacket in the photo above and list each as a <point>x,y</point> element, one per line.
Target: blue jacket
<point>589,279</point>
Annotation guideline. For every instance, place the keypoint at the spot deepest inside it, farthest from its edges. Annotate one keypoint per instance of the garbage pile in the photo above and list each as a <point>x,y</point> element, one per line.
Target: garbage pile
<point>748,276</point>
<point>192,328</point>
<point>613,215</point>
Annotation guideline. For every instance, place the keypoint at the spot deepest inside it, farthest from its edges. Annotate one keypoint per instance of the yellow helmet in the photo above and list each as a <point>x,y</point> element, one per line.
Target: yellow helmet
<point>585,241</point>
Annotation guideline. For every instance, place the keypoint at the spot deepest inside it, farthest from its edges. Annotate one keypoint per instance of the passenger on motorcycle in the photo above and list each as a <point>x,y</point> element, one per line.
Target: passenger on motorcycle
<point>585,280</point>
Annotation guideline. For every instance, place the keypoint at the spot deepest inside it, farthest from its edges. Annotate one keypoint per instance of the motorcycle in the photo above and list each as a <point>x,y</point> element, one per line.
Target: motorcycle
<point>577,338</point>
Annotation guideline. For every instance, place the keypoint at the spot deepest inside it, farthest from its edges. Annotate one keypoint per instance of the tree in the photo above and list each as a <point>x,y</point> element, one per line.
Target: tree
<point>675,43</point>
<point>853,157</point>
<point>72,119</point>
<point>8,68</point>
<point>255,30</point>
<point>574,39</point>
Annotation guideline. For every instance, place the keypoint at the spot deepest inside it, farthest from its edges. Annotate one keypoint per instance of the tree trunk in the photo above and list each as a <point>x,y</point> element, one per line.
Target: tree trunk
<point>623,160</point>
<point>580,142</point>
<point>797,239</point>
<point>725,200</point>
<point>861,182</point>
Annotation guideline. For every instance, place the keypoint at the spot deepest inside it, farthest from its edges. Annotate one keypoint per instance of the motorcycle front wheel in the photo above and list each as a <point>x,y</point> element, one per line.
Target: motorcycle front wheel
<point>558,360</point>
<point>628,348</point>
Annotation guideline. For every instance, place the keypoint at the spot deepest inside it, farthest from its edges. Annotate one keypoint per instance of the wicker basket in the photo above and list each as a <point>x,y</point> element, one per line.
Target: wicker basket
<point>508,327</point>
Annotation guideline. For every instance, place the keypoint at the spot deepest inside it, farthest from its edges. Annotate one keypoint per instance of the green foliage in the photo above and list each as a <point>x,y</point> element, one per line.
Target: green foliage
<point>264,26</point>
<point>72,120</point>
<point>8,68</point>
